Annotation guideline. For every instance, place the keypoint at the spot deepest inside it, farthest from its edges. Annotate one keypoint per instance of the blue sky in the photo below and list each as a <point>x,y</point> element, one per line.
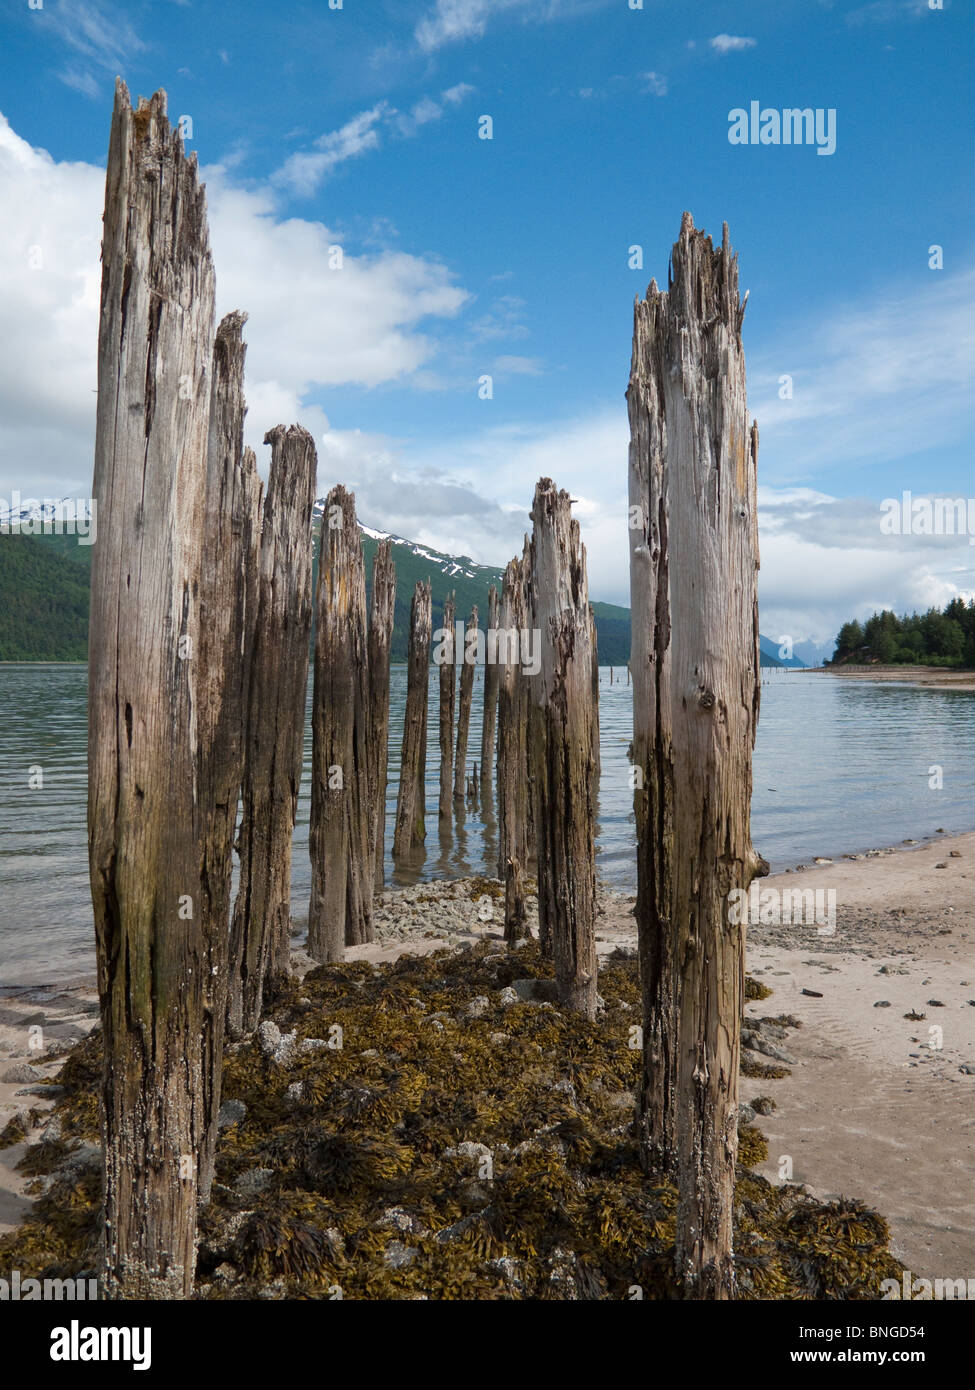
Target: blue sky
<point>359,127</point>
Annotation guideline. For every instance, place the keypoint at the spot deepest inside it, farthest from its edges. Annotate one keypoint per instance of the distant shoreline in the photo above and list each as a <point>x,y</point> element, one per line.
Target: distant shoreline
<point>931,677</point>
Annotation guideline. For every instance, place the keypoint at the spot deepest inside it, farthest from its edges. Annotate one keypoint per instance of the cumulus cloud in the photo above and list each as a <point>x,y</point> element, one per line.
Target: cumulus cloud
<point>311,326</point>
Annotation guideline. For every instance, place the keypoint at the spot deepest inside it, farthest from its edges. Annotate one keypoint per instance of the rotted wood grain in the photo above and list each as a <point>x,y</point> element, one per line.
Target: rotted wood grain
<point>693,566</point>
<point>228,588</point>
<point>381,616</point>
<point>341,830</point>
<point>490,715</point>
<point>147,829</point>
<point>410,831</point>
<point>513,778</point>
<point>563,742</point>
<point>464,708</point>
<point>448,691</point>
<point>260,933</point>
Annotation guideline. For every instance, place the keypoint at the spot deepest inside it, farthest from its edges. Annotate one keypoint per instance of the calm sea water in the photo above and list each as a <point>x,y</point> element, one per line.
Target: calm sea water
<point>839,767</point>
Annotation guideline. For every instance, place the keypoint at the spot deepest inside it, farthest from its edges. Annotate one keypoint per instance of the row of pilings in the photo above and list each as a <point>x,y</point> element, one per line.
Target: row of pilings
<point>201,619</point>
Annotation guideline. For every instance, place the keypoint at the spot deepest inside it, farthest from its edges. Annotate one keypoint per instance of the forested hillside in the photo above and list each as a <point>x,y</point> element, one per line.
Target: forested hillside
<point>43,598</point>
<point>939,637</point>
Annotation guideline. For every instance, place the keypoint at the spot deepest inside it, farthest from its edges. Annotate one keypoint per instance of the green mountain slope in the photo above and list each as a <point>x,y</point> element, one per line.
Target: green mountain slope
<point>44,597</point>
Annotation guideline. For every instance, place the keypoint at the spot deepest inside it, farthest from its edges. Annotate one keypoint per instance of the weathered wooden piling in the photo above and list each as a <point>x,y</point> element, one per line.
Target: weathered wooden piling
<point>467,665</point>
<point>693,564</point>
<point>381,616</point>
<point>260,931</point>
<point>410,831</point>
<point>148,832</point>
<point>512,754</point>
<point>490,713</point>
<point>562,739</point>
<point>594,644</point>
<point>228,592</point>
<point>341,837</point>
<point>448,687</point>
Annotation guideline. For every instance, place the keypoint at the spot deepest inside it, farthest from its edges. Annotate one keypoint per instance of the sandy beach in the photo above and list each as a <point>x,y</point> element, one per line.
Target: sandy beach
<point>932,677</point>
<point>877,1106</point>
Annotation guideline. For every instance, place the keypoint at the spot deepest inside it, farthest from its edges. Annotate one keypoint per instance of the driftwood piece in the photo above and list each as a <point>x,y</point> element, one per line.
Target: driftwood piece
<point>693,564</point>
<point>410,831</point>
<point>341,839</point>
<point>260,933</point>
<point>490,713</point>
<point>147,829</point>
<point>228,591</point>
<point>381,616</point>
<point>467,665</point>
<point>448,689</point>
<point>563,732</point>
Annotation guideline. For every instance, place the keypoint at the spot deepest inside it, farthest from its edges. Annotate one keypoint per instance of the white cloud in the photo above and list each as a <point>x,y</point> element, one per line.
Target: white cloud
<point>303,172</point>
<point>376,320</point>
<point>103,39</point>
<point>731,43</point>
<point>453,21</point>
<point>654,82</point>
<point>825,560</point>
<point>518,366</point>
<point>877,381</point>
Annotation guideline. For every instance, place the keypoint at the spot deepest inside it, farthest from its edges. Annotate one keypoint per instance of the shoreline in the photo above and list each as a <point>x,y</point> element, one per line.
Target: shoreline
<point>925,677</point>
<point>872,1110</point>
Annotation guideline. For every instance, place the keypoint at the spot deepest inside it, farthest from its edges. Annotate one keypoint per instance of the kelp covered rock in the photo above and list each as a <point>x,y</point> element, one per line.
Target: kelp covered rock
<point>405,1146</point>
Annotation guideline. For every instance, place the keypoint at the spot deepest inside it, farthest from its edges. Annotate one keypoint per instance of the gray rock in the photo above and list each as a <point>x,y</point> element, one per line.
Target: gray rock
<point>20,1071</point>
<point>295,1092</point>
<point>398,1255</point>
<point>46,1092</point>
<point>279,1048</point>
<point>468,1149</point>
<point>509,996</point>
<point>230,1113</point>
<point>479,1005</point>
<point>754,1040</point>
<point>534,991</point>
<point>745,1113</point>
<point>255,1180</point>
<point>882,1004</point>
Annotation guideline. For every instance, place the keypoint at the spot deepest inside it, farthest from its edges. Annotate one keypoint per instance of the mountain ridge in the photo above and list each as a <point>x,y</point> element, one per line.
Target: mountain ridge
<point>44,596</point>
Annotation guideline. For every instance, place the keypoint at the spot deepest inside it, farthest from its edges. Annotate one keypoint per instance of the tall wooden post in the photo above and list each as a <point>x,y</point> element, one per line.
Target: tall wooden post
<point>563,734</point>
<point>464,709</point>
<point>512,754</point>
<point>489,722</point>
<point>341,845</point>
<point>228,591</point>
<point>410,831</point>
<point>260,931</point>
<point>594,642</point>
<point>147,829</point>
<point>693,564</point>
<point>448,687</point>
<point>381,617</point>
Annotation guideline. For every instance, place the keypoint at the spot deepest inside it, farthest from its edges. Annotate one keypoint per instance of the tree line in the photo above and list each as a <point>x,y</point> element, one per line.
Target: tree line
<point>939,637</point>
